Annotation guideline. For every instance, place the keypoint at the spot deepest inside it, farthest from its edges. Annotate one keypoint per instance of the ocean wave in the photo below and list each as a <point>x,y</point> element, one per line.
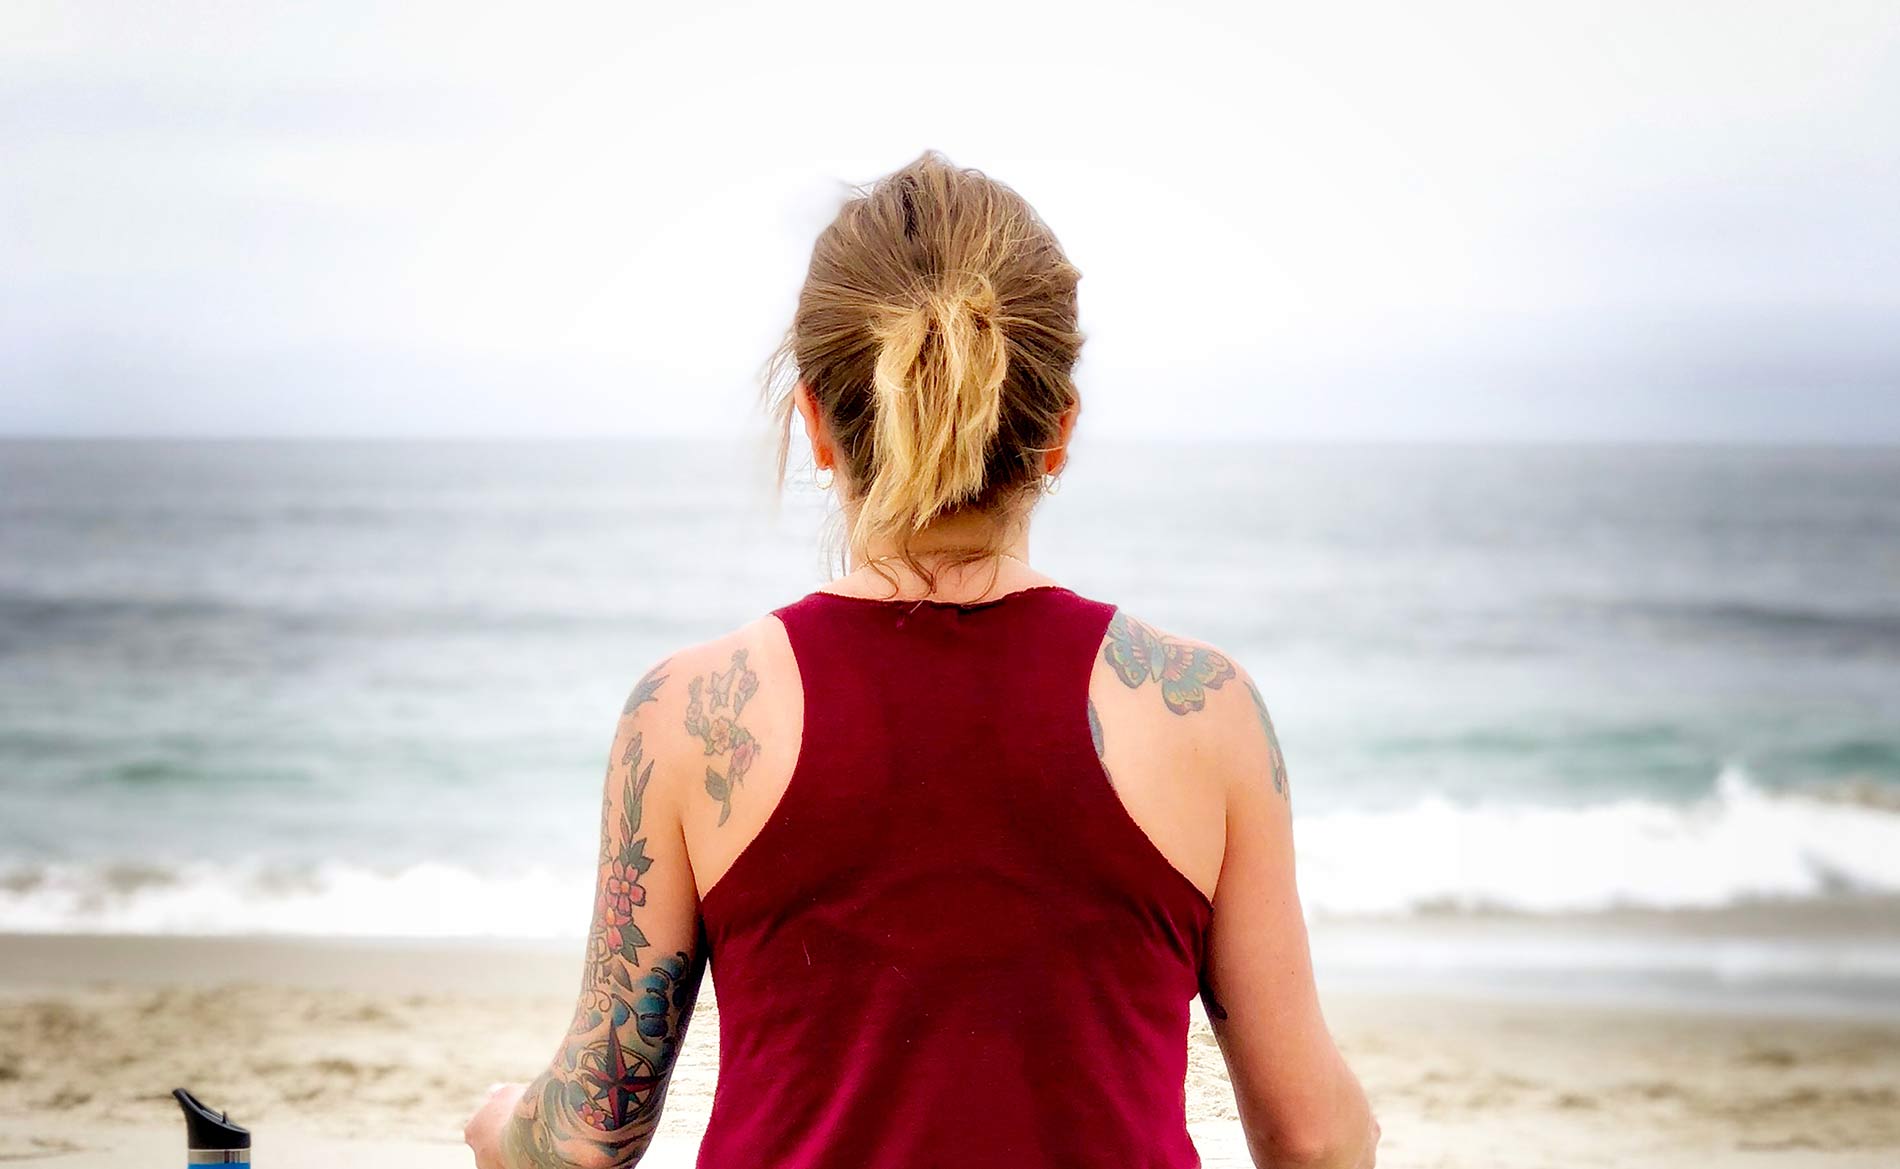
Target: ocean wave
<point>1738,845</point>
<point>428,900</point>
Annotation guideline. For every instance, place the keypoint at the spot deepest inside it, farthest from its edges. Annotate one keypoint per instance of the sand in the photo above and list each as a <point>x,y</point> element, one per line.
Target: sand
<point>372,1054</point>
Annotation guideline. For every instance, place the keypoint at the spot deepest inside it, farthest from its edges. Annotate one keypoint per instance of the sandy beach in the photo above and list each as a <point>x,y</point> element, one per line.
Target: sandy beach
<point>372,1054</point>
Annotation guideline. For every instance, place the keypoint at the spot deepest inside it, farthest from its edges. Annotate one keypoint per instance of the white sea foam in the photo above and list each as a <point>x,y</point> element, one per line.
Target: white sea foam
<point>1739,844</point>
<point>422,900</point>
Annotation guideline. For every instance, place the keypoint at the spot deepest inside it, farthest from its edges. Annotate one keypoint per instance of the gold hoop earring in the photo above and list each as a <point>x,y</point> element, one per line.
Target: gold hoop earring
<point>827,472</point>
<point>1051,483</point>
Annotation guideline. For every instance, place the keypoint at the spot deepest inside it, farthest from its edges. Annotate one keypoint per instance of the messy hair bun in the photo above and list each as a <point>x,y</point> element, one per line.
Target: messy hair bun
<point>937,332</point>
<point>938,390</point>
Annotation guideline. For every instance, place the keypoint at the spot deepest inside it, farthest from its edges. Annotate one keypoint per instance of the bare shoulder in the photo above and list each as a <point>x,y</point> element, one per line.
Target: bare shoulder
<point>1190,694</point>
<point>704,691</point>
<point>722,718</point>
<point>672,674</point>
<point>1183,672</point>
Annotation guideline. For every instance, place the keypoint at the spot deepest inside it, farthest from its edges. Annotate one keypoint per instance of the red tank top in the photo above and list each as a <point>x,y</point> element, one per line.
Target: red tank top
<point>950,944</point>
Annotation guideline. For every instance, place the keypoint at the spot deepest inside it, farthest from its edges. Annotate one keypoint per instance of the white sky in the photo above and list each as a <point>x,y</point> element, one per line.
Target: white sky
<point>1648,221</point>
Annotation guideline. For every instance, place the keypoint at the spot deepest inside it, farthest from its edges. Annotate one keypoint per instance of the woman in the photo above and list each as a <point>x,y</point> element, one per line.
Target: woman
<point>959,843</point>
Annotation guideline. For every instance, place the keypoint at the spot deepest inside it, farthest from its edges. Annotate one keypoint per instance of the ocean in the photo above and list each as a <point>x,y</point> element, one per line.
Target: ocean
<point>1548,711</point>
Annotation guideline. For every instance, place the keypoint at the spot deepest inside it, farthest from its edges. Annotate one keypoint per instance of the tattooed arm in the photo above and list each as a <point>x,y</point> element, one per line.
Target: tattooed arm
<point>598,1103</point>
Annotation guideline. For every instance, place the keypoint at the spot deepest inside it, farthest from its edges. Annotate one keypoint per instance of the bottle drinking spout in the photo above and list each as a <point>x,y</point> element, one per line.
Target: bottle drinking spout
<point>210,1137</point>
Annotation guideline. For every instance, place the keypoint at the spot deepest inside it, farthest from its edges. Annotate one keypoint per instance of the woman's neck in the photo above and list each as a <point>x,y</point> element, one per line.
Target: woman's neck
<point>946,550</point>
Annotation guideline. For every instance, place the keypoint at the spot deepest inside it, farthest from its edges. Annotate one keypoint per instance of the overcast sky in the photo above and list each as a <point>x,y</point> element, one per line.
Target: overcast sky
<point>1651,221</point>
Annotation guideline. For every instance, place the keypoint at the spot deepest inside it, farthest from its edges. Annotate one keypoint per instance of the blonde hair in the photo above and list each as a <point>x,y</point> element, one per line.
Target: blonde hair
<point>937,332</point>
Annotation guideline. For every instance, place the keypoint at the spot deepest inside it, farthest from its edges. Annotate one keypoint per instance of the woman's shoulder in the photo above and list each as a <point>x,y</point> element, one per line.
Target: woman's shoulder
<point>711,712</point>
<point>726,666</point>
<point>1184,669</point>
<point>1186,696</point>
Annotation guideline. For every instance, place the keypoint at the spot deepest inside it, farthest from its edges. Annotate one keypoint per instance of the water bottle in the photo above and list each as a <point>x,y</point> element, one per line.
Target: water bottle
<point>210,1137</point>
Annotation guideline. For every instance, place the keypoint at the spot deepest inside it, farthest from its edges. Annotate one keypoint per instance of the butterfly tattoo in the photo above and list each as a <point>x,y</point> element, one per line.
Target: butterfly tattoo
<point>1140,653</point>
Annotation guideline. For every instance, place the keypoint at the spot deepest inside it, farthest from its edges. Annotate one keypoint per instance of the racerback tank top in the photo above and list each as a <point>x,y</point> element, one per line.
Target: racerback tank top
<point>950,944</point>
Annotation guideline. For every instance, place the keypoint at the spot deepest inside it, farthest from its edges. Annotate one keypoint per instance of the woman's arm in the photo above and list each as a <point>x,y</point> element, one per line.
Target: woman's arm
<point>598,1103</point>
<point>1299,1103</point>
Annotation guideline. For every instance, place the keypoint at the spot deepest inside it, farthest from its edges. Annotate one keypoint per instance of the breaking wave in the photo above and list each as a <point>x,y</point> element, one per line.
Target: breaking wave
<point>1739,844</point>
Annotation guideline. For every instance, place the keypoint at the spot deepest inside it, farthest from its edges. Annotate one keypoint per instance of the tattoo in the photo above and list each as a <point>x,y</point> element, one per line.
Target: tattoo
<point>623,861</point>
<point>713,706</point>
<point>599,1102</point>
<point>1095,729</point>
<point>646,689</point>
<point>1273,740</point>
<point>1213,1005</point>
<point>1140,653</point>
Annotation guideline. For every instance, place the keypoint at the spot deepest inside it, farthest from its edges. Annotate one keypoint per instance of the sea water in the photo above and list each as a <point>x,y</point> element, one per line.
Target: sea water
<point>367,688</point>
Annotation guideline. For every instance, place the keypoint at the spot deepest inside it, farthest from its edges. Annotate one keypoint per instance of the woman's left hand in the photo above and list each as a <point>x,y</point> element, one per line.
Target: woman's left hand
<point>483,1130</point>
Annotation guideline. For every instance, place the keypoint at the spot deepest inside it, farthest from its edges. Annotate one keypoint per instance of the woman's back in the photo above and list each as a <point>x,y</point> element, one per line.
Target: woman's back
<point>952,856</point>
<point>945,940</point>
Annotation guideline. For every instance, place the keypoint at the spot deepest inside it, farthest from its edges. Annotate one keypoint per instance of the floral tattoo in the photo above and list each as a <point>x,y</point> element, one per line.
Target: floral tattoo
<point>713,706</point>
<point>623,861</point>
<point>599,1101</point>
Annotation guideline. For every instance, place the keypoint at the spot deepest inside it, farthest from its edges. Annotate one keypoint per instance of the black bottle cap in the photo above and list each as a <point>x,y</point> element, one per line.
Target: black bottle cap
<point>205,1129</point>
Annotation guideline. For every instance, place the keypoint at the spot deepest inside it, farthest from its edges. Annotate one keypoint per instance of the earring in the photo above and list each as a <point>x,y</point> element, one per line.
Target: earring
<point>826,485</point>
<point>1051,483</point>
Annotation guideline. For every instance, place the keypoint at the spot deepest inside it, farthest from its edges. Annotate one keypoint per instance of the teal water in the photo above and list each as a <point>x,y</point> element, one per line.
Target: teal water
<point>368,687</point>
